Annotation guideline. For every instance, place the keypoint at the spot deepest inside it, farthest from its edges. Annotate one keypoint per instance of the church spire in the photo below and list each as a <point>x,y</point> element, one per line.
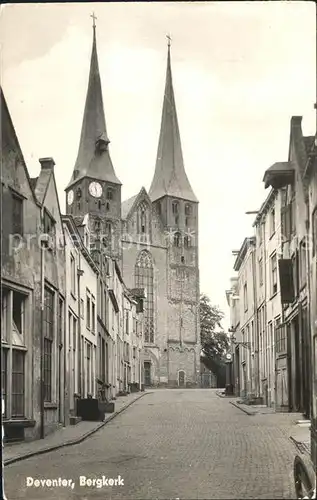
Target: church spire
<point>170,178</point>
<point>93,159</point>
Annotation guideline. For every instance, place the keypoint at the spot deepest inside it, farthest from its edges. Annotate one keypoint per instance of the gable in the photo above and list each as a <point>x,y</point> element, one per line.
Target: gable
<point>14,172</point>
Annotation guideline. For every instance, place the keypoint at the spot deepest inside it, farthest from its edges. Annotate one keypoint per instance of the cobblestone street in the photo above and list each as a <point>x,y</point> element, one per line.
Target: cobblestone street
<point>186,444</point>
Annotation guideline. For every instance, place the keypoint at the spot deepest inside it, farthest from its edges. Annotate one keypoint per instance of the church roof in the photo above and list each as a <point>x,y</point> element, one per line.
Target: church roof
<point>127,205</point>
<point>170,177</point>
<point>93,159</point>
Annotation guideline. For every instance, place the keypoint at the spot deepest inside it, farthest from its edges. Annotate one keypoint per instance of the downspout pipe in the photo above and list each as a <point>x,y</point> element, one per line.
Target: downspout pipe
<point>42,395</point>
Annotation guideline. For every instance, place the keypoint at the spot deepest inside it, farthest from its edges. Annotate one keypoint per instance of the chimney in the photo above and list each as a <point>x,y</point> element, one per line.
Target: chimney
<point>47,163</point>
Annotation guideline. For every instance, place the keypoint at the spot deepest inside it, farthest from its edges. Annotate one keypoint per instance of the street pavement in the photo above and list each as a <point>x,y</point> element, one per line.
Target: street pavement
<point>172,444</point>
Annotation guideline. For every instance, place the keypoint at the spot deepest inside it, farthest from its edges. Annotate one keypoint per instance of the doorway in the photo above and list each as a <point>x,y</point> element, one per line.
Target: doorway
<point>147,373</point>
<point>181,378</point>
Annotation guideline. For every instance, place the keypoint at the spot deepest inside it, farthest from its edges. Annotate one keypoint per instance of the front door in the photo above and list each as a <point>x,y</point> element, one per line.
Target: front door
<point>181,378</point>
<point>147,373</point>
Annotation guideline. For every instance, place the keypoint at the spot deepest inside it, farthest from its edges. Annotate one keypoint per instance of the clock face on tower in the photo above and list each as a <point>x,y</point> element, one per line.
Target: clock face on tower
<point>95,189</point>
<point>70,197</point>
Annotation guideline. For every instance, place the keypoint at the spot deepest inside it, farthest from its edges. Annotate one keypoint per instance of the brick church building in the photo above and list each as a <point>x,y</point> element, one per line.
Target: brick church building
<point>153,235</point>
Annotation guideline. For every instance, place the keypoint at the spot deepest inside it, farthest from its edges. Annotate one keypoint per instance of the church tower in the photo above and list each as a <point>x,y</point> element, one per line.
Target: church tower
<point>177,206</point>
<point>94,188</point>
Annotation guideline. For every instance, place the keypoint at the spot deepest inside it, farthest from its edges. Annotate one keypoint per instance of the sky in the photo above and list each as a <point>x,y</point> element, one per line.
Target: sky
<point>240,71</point>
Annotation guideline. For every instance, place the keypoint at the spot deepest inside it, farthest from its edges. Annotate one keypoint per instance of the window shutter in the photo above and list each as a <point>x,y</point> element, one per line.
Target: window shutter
<point>286,280</point>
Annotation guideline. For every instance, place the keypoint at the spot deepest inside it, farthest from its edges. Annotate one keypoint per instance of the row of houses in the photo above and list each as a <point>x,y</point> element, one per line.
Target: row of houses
<point>272,295</point>
<point>70,327</point>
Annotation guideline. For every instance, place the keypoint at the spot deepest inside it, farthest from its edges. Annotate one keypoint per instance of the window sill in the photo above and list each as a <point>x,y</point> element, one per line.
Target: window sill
<point>18,422</point>
<point>274,295</point>
<point>73,295</point>
<point>271,236</point>
<point>50,406</point>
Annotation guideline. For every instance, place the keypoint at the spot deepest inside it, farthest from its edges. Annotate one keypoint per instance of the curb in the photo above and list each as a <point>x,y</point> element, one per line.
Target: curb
<point>73,441</point>
<point>251,414</point>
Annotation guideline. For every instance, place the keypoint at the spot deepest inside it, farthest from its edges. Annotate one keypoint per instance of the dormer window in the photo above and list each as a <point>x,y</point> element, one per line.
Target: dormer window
<point>109,194</point>
<point>102,143</point>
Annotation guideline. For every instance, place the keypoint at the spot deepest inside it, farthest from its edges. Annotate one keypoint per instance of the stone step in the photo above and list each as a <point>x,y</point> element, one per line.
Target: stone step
<point>73,420</point>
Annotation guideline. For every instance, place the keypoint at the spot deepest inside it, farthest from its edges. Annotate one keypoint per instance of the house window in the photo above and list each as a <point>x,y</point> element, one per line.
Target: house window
<point>245,296</point>
<point>302,259</point>
<point>73,274</point>
<point>177,239</point>
<point>48,342</point>
<point>314,230</point>
<point>18,312</point>
<point>188,209</point>
<point>88,312</point>
<point>144,278</point>
<point>93,309</point>
<point>274,274</point>
<point>295,266</point>
<point>18,378</point>
<point>48,224</point>
<point>109,194</point>
<point>60,321</point>
<point>4,372</point>
<point>74,345</point>
<point>88,368</point>
<point>127,322</point>
<point>272,221</point>
<point>13,308</point>
<point>17,214</point>
<point>261,271</point>
<point>82,307</point>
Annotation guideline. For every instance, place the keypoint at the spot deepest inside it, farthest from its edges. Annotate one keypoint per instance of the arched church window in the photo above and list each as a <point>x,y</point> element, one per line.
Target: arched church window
<point>108,228</point>
<point>109,194</point>
<point>144,277</point>
<point>175,207</point>
<point>99,205</point>
<point>107,206</point>
<point>186,241</point>
<point>177,239</point>
<point>188,209</point>
<point>142,218</point>
<point>78,193</point>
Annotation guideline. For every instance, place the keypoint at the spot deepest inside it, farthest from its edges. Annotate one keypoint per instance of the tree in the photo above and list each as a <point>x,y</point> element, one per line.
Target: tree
<point>214,341</point>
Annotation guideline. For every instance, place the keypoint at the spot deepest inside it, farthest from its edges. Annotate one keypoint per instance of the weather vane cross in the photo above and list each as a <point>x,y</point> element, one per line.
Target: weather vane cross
<point>93,19</point>
<point>169,38</point>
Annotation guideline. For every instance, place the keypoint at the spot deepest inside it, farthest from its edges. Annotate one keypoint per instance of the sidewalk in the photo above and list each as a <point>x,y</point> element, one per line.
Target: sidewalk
<point>67,436</point>
<point>252,410</point>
